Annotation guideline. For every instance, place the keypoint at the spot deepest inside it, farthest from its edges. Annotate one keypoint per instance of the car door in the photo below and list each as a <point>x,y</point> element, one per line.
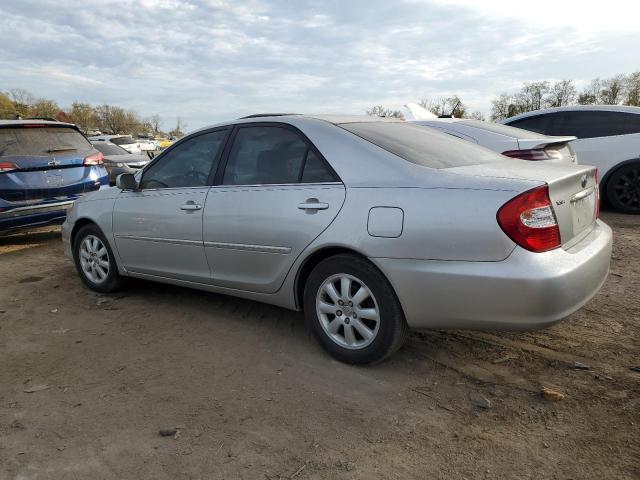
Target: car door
<point>158,228</point>
<point>274,196</point>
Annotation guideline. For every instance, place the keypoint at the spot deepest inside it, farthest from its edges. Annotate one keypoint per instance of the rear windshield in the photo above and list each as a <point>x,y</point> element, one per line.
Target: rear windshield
<point>122,140</point>
<point>109,149</point>
<point>423,146</point>
<point>501,129</point>
<point>41,141</point>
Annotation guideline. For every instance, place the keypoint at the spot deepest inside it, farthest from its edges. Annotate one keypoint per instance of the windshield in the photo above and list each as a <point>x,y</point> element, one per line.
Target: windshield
<point>122,140</point>
<point>109,148</point>
<point>41,141</point>
<point>423,146</point>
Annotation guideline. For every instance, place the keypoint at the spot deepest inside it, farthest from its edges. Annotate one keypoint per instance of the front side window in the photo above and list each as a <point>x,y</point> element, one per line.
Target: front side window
<point>265,155</point>
<point>188,164</point>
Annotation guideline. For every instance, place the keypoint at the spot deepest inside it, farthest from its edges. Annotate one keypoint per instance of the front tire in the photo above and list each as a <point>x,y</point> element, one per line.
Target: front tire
<point>623,188</point>
<point>95,261</point>
<point>353,311</point>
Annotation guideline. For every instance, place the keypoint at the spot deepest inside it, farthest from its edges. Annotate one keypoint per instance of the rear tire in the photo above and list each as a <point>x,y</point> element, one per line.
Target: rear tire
<point>95,261</point>
<point>353,311</point>
<point>623,188</point>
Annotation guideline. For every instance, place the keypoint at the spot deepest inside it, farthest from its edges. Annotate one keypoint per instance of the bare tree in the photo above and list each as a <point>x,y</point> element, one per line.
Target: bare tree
<point>562,93</point>
<point>477,115</point>
<point>22,101</point>
<point>180,128</point>
<point>591,94</point>
<point>445,106</point>
<point>501,107</point>
<point>380,111</point>
<point>633,90</point>
<point>155,122</point>
<point>612,90</point>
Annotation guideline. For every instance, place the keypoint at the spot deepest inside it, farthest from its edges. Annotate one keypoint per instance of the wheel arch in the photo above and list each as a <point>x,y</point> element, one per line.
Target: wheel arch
<point>605,179</point>
<point>79,223</point>
<point>317,256</point>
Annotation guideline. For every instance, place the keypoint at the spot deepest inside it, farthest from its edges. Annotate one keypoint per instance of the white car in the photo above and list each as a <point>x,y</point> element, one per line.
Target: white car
<point>608,138</point>
<point>147,145</point>
<point>125,141</point>
<point>509,141</point>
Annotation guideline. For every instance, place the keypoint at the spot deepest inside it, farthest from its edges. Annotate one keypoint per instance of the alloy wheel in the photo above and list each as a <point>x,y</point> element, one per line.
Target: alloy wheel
<point>348,311</point>
<point>94,259</point>
<point>627,188</point>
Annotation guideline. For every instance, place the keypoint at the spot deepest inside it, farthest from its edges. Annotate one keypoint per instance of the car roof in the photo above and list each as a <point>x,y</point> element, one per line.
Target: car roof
<point>18,123</point>
<point>294,118</point>
<point>576,108</point>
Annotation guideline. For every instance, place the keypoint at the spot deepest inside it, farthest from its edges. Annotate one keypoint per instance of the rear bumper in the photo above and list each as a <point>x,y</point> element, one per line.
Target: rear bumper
<point>527,290</point>
<point>34,215</point>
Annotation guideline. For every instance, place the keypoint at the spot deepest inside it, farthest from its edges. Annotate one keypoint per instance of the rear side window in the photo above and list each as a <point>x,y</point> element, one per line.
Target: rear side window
<point>109,149</point>
<point>41,141</point>
<point>263,155</point>
<point>423,146</point>
<point>592,123</point>
<point>539,124</point>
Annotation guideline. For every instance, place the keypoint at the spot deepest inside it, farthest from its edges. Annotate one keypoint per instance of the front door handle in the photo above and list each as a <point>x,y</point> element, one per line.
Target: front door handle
<point>190,206</point>
<point>313,204</point>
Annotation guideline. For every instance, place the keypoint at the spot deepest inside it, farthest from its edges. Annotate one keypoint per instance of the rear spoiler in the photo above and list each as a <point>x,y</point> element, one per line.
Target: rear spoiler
<point>542,142</point>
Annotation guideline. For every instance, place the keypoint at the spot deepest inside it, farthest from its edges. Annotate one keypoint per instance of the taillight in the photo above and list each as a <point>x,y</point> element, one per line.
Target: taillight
<point>529,220</point>
<point>535,154</point>
<point>7,167</point>
<point>94,159</point>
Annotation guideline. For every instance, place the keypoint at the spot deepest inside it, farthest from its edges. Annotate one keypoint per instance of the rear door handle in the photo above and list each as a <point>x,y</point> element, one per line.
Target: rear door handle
<point>313,204</point>
<point>190,206</point>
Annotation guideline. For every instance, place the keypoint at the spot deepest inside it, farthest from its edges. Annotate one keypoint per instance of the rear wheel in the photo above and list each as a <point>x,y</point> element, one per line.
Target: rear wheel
<point>95,261</point>
<point>353,311</point>
<point>623,188</point>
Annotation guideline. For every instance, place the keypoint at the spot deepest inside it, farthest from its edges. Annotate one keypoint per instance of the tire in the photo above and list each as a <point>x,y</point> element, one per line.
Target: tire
<point>350,332</point>
<point>623,188</point>
<point>95,261</point>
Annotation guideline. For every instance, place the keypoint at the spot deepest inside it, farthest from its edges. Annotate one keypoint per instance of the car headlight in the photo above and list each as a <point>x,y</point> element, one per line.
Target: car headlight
<point>120,165</point>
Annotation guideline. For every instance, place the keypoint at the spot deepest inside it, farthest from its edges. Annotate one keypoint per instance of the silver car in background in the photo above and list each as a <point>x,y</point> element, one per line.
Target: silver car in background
<point>509,141</point>
<point>371,226</point>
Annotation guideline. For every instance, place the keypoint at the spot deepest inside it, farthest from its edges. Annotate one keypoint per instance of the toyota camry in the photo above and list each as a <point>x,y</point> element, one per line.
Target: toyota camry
<point>370,226</point>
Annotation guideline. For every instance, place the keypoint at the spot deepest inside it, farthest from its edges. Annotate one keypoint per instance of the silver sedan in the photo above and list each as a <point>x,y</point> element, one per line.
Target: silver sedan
<point>371,226</point>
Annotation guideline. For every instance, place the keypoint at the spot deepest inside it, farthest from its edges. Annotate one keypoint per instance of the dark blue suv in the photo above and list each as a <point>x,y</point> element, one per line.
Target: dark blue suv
<point>44,167</point>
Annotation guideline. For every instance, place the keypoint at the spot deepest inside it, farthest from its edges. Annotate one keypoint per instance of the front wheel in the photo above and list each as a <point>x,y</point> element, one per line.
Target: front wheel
<point>353,311</point>
<point>623,188</point>
<point>95,261</point>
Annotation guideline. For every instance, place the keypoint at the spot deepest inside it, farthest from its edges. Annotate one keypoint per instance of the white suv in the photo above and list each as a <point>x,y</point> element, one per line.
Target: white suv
<point>608,138</point>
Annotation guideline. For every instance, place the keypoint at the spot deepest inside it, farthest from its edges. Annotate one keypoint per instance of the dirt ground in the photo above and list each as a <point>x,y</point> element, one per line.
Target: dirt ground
<point>87,382</point>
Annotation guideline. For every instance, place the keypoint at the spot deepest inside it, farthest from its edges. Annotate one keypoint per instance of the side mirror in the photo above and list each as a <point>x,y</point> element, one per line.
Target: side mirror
<point>126,181</point>
<point>151,154</point>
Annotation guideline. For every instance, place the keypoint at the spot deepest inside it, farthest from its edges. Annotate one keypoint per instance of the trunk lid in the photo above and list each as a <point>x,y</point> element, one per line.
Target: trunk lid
<point>573,190</point>
<point>557,148</point>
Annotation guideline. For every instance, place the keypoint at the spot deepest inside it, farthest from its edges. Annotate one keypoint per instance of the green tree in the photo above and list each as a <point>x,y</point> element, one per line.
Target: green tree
<point>7,109</point>
<point>44,107</point>
<point>83,115</point>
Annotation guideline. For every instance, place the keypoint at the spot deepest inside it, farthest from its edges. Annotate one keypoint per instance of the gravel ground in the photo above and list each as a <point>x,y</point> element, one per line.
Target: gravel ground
<point>241,390</point>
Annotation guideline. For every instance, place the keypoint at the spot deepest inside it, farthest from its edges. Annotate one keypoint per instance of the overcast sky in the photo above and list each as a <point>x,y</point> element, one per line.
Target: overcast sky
<point>211,60</point>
